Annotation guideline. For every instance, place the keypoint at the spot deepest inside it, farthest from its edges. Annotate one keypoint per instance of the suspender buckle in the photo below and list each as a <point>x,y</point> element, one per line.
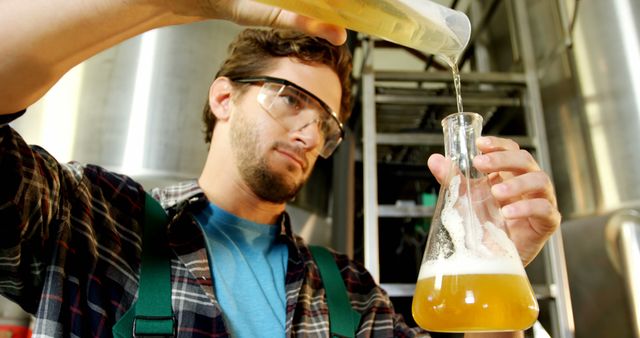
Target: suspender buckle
<point>154,326</point>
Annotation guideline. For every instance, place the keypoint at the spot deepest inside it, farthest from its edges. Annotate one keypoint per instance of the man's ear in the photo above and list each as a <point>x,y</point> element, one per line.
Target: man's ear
<point>220,97</point>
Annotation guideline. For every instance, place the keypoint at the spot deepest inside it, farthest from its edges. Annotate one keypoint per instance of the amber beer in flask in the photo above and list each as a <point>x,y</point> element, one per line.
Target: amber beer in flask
<point>475,298</point>
<point>471,278</point>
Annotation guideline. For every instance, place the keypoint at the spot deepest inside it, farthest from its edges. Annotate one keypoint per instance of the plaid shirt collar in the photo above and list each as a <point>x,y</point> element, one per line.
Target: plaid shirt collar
<point>189,197</point>
<point>187,239</point>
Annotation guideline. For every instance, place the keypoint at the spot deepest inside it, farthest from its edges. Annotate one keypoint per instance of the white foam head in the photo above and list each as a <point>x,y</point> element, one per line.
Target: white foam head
<point>461,265</point>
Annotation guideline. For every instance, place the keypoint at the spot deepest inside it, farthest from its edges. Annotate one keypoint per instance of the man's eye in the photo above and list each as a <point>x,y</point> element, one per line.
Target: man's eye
<point>325,128</point>
<point>291,100</point>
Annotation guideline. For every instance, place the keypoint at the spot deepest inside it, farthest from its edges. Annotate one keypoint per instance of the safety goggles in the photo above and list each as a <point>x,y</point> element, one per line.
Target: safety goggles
<point>296,109</point>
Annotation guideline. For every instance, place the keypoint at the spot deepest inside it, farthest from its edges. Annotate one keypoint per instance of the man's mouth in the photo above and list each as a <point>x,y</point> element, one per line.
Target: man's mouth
<point>300,160</point>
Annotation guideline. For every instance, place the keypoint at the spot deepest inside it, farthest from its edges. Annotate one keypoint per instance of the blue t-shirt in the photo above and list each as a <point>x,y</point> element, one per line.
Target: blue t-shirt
<point>248,268</point>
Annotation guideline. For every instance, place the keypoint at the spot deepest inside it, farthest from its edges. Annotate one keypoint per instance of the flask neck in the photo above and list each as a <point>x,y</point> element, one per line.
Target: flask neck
<point>460,133</point>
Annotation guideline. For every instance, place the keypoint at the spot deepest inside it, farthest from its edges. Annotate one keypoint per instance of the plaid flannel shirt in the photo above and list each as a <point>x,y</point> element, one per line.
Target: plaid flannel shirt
<point>70,252</point>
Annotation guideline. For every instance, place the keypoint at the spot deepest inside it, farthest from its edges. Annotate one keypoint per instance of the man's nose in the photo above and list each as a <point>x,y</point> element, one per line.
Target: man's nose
<point>308,135</point>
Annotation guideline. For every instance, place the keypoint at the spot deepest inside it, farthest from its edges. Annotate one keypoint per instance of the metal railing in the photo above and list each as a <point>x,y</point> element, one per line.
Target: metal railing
<point>623,246</point>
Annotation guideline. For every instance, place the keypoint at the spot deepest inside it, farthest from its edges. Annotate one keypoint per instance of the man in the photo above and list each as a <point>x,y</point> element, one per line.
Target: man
<point>71,234</point>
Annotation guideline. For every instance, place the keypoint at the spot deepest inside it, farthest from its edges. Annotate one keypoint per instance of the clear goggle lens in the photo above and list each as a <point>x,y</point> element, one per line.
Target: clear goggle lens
<point>296,110</point>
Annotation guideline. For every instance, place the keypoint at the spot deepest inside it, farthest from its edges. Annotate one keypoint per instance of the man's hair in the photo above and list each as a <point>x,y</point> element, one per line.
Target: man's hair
<point>253,53</point>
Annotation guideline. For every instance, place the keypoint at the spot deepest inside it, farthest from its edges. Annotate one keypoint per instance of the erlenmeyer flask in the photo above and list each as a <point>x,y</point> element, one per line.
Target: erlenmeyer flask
<point>471,277</point>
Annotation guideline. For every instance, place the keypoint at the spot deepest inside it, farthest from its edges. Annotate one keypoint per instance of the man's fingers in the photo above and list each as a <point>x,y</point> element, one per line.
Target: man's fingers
<point>287,19</point>
<point>439,167</point>
<point>531,223</point>
<point>519,161</point>
<point>332,33</point>
<point>487,144</point>
<point>534,184</point>
<point>252,13</point>
<point>543,216</point>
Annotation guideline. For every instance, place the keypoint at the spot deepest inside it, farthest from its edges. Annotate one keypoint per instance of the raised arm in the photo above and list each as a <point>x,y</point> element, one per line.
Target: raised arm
<point>43,39</point>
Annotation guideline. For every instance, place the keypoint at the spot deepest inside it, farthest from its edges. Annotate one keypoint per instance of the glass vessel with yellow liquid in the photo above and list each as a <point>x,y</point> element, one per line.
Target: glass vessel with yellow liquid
<point>471,278</point>
<point>420,24</point>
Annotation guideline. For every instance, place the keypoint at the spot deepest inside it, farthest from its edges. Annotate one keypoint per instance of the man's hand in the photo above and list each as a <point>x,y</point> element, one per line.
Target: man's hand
<point>522,189</point>
<point>252,13</point>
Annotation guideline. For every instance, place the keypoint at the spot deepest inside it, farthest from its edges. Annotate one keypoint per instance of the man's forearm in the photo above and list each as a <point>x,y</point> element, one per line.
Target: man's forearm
<point>43,39</point>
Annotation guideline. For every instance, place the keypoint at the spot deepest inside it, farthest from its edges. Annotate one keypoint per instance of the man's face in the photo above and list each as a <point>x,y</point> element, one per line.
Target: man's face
<point>273,161</point>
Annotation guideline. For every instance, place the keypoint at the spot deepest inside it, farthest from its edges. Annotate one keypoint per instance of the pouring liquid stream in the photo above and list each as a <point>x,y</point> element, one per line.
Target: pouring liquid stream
<point>453,63</point>
<point>466,170</point>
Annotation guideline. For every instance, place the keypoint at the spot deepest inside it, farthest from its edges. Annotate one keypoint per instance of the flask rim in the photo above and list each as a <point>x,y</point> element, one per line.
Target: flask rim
<point>471,116</point>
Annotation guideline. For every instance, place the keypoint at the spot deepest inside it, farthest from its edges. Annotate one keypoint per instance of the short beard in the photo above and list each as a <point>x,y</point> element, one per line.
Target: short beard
<point>268,185</point>
<point>254,168</point>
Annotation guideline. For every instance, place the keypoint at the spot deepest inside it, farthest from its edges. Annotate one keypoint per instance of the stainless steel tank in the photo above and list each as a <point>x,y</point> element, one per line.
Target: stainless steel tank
<point>135,108</point>
<point>589,69</point>
<point>591,91</point>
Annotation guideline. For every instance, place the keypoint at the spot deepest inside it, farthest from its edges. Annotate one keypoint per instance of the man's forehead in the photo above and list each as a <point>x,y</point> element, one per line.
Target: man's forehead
<point>318,79</point>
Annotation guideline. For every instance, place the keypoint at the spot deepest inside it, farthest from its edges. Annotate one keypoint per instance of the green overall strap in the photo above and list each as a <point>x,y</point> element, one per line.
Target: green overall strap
<point>151,315</point>
<point>343,319</point>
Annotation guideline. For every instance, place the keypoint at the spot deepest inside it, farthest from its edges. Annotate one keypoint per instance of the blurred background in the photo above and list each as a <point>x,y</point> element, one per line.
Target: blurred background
<point>562,77</point>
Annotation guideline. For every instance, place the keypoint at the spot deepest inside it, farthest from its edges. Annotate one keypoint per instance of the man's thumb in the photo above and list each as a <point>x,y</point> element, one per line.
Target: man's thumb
<point>332,33</point>
<point>439,165</point>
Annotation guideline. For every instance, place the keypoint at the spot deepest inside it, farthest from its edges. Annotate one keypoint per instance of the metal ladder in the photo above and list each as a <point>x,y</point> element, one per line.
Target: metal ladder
<point>555,289</point>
